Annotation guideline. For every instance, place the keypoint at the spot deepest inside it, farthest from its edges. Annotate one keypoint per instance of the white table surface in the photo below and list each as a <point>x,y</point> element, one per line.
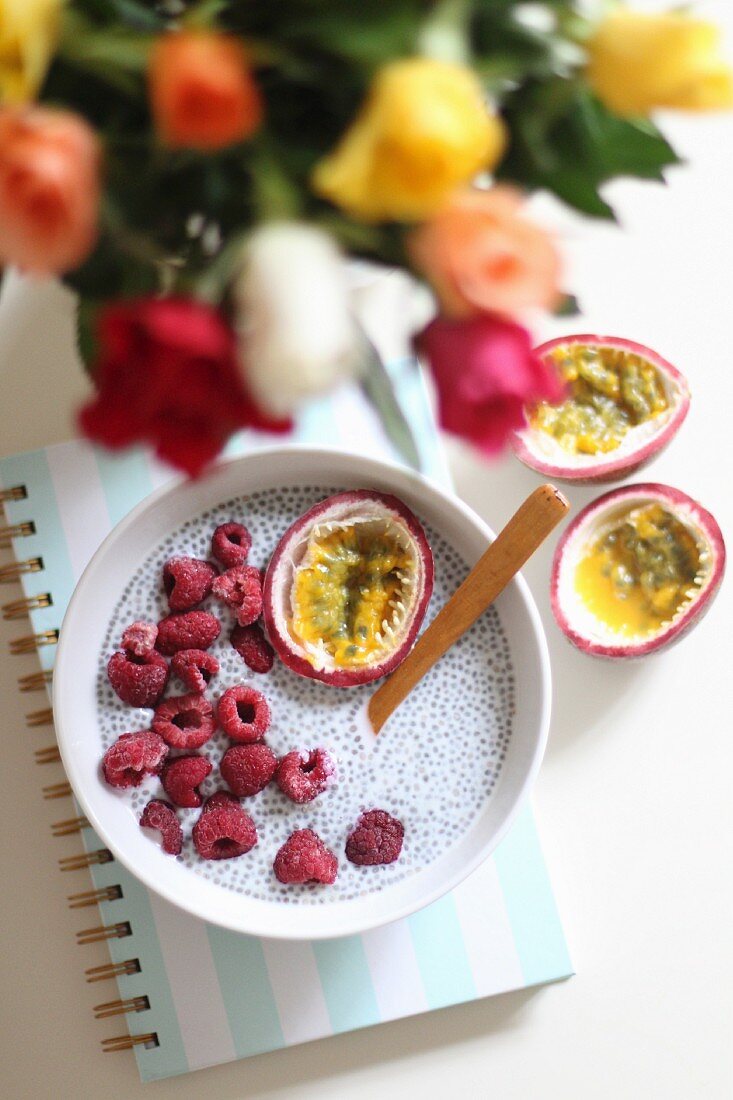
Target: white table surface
<point>634,798</point>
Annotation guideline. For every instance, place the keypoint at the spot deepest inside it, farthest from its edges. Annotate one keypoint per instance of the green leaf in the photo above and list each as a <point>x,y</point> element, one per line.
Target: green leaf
<point>377,387</point>
<point>564,139</point>
<point>86,335</point>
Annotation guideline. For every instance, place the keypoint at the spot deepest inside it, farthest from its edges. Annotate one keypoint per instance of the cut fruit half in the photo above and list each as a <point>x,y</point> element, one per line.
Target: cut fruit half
<point>624,404</point>
<point>635,570</point>
<point>347,588</point>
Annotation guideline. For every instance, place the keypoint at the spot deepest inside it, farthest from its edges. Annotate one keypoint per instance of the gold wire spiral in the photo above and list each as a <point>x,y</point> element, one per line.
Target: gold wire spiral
<point>112,970</point>
<point>16,531</point>
<point>85,859</point>
<point>20,609</point>
<point>57,790</point>
<point>69,827</point>
<point>93,897</point>
<point>49,755</point>
<point>31,642</point>
<point>120,1007</point>
<point>127,1042</point>
<point>14,492</point>
<point>17,569</point>
<point>38,718</point>
<point>116,931</point>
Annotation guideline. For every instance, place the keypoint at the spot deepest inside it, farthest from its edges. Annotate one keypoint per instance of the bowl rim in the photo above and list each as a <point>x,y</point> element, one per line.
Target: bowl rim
<point>420,484</point>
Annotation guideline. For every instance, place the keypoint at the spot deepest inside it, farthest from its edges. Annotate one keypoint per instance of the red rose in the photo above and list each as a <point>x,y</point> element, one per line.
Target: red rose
<point>167,375</point>
<point>485,374</point>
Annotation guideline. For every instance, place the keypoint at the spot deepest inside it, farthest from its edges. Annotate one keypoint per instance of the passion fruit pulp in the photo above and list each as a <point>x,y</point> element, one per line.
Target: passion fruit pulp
<point>623,404</point>
<point>635,570</point>
<point>347,588</point>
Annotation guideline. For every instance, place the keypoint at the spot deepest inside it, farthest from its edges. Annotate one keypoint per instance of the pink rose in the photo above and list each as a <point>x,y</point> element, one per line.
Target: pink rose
<point>486,374</point>
<point>49,189</point>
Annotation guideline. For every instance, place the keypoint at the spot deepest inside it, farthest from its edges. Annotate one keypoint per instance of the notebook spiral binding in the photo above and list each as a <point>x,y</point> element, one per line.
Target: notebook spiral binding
<point>38,681</point>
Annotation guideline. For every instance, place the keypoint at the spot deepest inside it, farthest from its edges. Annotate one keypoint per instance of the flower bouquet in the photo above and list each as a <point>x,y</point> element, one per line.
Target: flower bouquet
<point>198,172</point>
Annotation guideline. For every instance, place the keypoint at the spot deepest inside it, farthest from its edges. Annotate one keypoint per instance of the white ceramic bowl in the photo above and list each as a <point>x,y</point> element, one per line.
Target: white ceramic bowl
<point>82,640</point>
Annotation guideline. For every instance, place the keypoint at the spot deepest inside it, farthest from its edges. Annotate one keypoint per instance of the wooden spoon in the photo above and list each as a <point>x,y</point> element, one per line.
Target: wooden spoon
<point>526,530</point>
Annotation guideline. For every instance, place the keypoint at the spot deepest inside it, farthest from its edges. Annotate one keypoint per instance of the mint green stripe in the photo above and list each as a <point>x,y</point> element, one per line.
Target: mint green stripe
<point>441,954</point>
<point>530,903</point>
<point>347,983</point>
<point>246,991</point>
<point>125,480</point>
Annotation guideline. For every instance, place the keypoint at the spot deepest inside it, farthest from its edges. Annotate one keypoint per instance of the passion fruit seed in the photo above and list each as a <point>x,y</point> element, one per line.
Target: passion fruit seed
<point>641,571</point>
<point>611,391</point>
<point>349,594</point>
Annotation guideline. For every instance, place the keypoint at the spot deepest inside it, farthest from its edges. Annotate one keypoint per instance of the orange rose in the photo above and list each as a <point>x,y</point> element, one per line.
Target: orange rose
<point>49,189</point>
<point>202,94</point>
<point>481,254</point>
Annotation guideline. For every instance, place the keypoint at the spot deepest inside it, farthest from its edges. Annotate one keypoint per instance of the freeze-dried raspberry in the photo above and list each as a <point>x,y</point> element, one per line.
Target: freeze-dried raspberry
<point>377,838</point>
<point>187,581</point>
<point>181,777</point>
<point>219,798</point>
<point>230,544</point>
<point>132,757</point>
<point>189,630</point>
<point>252,646</point>
<point>244,714</point>
<point>184,721</point>
<point>138,681</point>
<point>241,588</point>
<point>224,831</point>
<point>138,640</point>
<point>160,815</point>
<point>305,858</point>
<point>303,776</point>
<point>247,769</point>
<point>194,667</point>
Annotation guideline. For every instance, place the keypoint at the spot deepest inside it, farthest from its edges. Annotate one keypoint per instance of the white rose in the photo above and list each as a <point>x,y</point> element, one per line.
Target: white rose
<point>297,337</point>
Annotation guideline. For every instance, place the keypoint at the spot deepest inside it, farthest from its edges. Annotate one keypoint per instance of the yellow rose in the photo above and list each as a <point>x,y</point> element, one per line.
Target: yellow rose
<point>28,34</point>
<point>638,62</point>
<point>424,129</point>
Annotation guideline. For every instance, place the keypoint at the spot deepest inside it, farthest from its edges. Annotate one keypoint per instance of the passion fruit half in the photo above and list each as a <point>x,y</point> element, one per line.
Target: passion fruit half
<point>347,588</point>
<point>635,570</point>
<point>624,403</point>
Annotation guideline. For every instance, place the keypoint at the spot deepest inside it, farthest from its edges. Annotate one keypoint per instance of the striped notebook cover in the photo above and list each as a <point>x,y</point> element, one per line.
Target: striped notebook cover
<point>194,995</point>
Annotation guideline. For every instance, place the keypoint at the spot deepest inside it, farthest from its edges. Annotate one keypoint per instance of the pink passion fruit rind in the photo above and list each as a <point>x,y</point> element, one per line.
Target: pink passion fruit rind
<point>629,456</point>
<point>564,601</point>
<point>342,511</point>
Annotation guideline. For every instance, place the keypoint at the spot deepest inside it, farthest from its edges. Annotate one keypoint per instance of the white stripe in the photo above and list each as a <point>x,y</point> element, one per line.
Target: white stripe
<point>82,503</point>
<point>194,984</point>
<point>487,933</point>
<point>296,986</point>
<point>395,973</point>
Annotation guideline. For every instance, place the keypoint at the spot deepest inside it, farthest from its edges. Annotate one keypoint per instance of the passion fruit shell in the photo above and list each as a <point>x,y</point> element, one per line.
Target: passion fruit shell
<point>334,537</point>
<point>588,632</point>
<point>537,449</point>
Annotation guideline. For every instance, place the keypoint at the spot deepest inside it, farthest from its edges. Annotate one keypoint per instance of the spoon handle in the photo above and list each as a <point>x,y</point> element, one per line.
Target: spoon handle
<point>526,530</point>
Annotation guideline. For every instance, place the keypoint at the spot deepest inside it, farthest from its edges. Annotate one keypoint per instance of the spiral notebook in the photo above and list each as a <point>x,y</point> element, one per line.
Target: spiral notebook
<point>194,995</point>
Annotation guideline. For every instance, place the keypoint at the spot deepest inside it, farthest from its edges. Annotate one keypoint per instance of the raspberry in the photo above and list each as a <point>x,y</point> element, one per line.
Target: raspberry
<point>377,838</point>
<point>187,581</point>
<point>181,777</point>
<point>303,776</point>
<point>132,757</point>
<point>184,721</point>
<point>190,630</point>
<point>195,668</point>
<point>305,858</point>
<point>252,646</point>
<point>138,681</point>
<point>244,714</point>
<point>247,769</point>
<point>219,798</point>
<point>138,639</point>
<point>230,544</point>
<point>160,815</point>
<point>241,588</point>
<point>224,831</point>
